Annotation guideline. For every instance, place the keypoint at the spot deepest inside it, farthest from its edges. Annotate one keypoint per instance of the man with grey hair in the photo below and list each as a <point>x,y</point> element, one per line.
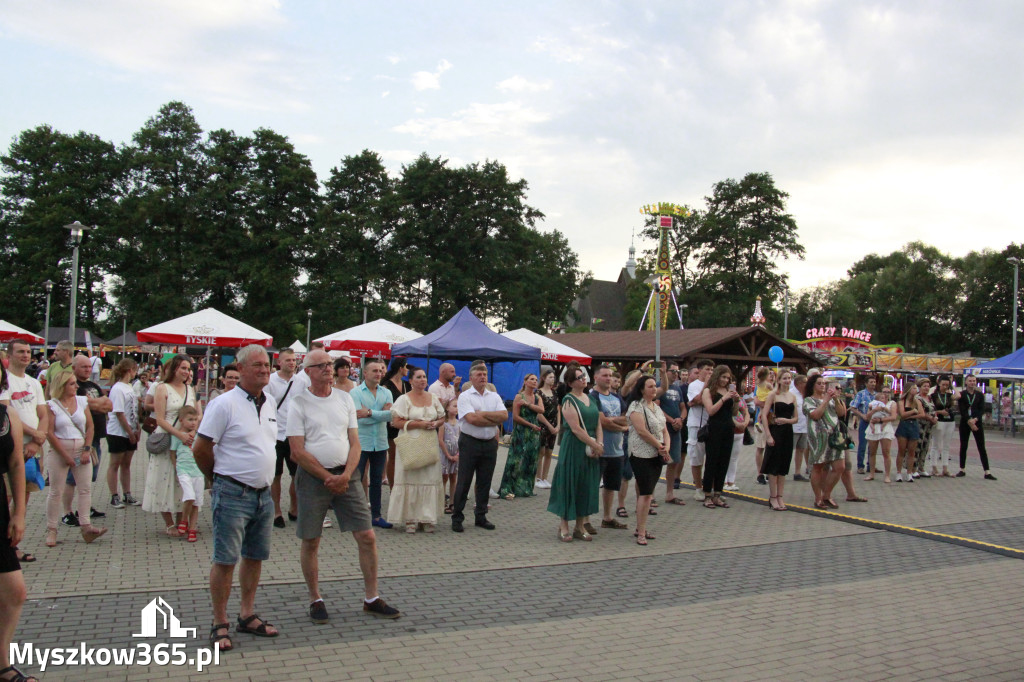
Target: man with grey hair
<point>235,447</point>
<point>446,388</point>
<point>481,412</point>
<point>323,433</point>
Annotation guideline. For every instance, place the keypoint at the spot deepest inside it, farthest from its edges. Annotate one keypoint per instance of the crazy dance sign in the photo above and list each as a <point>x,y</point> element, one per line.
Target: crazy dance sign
<point>844,348</point>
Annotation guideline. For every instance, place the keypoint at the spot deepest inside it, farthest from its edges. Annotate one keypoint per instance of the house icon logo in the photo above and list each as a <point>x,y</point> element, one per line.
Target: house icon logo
<point>158,615</point>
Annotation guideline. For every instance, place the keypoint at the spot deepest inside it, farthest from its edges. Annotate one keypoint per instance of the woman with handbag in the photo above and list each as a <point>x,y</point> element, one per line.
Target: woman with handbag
<point>123,433</point>
<point>648,442</point>
<point>721,402</point>
<point>778,418</point>
<point>824,408</point>
<point>521,463</point>
<point>574,487</point>
<point>69,428</point>
<point>417,493</point>
<point>163,491</point>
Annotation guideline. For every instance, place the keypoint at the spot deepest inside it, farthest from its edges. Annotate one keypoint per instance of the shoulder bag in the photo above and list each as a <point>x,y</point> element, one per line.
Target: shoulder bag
<point>416,448</point>
<point>702,430</point>
<point>588,451</point>
<point>93,456</point>
<point>159,443</point>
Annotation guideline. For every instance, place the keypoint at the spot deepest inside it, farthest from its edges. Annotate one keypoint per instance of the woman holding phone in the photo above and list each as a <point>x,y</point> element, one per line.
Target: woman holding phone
<point>721,401</point>
<point>824,408</point>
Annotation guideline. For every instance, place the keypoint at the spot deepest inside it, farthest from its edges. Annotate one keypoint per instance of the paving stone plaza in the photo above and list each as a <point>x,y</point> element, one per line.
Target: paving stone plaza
<point>741,593</point>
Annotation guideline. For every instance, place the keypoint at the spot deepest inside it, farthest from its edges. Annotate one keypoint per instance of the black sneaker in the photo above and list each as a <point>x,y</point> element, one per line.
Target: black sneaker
<point>762,480</point>
<point>115,502</point>
<point>457,526</point>
<point>990,477</point>
<point>70,520</point>
<point>292,517</point>
<point>95,513</point>
<point>798,477</point>
<point>380,609</point>
<point>960,474</point>
<point>482,522</point>
<point>278,522</point>
<point>318,612</point>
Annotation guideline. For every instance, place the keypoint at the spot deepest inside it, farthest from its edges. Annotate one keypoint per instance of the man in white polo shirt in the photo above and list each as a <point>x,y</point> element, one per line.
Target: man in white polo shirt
<point>323,433</point>
<point>480,413</point>
<point>236,447</point>
<point>284,385</point>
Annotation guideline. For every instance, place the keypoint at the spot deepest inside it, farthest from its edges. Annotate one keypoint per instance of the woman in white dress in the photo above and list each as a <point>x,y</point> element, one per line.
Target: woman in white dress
<point>417,496</point>
<point>163,492</point>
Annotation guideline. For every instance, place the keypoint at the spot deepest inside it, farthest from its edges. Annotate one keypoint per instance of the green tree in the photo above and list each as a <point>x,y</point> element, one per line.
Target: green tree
<point>51,179</point>
<point>984,302</point>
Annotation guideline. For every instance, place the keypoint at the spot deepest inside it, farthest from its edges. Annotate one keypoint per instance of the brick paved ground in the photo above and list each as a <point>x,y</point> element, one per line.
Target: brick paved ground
<point>742,593</point>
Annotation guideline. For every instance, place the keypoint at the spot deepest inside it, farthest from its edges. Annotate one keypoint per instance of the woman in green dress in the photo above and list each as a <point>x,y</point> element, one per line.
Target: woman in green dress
<point>824,408</point>
<point>521,464</point>
<point>574,487</point>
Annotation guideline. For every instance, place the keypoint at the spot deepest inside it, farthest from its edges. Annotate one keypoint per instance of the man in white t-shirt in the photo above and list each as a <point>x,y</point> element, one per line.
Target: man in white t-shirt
<point>284,386</point>
<point>323,434</point>
<point>235,447</point>
<point>96,367</point>
<point>25,395</point>
<point>696,418</point>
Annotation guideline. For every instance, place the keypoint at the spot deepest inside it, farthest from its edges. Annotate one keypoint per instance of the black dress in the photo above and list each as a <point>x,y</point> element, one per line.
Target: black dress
<point>718,447</point>
<point>8,558</point>
<point>778,457</point>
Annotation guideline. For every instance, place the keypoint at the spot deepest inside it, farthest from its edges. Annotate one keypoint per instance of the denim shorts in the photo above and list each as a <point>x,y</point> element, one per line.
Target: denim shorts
<point>242,522</point>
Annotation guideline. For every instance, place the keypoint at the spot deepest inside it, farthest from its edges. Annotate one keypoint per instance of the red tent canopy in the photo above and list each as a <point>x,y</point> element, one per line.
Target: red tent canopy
<point>10,332</point>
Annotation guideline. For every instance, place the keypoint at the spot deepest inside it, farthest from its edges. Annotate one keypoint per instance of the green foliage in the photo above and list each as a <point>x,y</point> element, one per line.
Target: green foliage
<point>187,220</point>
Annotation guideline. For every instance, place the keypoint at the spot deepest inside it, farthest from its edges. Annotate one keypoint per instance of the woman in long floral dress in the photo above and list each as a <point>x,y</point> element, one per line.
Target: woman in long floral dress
<point>521,464</point>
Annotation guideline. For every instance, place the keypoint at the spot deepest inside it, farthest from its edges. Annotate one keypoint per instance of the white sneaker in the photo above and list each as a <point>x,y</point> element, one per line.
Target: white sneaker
<point>731,487</point>
<point>698,494</point>
<point>899,478</point>
<point>547,484</point>
<point>327,523</point>
<point>493,495</point>
<point>917,475</point>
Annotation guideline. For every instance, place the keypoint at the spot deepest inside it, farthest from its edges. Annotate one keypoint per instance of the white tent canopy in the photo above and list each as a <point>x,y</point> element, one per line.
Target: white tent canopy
<point>372,338</point>
<point>298,347</point>
<point>207,327</point>
<point>9,332</point>
<point>550,350</point>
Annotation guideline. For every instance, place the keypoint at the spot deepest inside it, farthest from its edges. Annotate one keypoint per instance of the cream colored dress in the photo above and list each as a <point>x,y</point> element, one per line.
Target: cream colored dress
<point>417,496</point>
<point>163,492</point>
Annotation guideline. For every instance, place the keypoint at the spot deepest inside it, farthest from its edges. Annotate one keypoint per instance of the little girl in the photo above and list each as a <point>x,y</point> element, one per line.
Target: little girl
<point>448,441</point>
<point>193,484</point>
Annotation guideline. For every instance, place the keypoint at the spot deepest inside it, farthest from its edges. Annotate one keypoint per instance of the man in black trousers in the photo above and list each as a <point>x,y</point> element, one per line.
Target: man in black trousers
<point>481,411</point>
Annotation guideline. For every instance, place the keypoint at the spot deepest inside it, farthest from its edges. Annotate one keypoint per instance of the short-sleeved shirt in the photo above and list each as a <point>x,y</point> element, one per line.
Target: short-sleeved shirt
<point>862,400</point>
<point>184,460</point>
<point>99,419</point>
<point>244,434</point>
<point>279,388</point>
<point>696,416</point>
<point>69,425</point>
<point>125,402</point>
<point>610,405</point>
<point>25,394</point>
<point>446,394</point>
<point>801,424</point>
<point>472,400</point>
<point>324,424</point>
<point>654,419</point>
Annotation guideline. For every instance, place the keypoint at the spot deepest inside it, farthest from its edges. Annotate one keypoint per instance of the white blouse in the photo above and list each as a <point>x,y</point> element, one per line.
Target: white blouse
<point>65,427</point>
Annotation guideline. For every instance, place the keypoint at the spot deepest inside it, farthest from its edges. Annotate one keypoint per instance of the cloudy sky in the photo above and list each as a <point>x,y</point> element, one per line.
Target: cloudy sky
<point>886,122</point>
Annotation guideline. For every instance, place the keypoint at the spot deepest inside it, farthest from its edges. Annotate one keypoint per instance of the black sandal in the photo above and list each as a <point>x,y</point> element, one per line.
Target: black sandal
<point>719,502</point>
<point>259,631</point>
<point>18,675</point>
<point>622,513</point>
<point>25,558</point>
<point>214,637</point>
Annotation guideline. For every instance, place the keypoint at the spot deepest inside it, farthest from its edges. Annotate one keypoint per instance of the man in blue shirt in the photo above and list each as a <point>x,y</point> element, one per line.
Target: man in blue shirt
<point>614,427</point>
<point>670,397</point>
<point>373,408</point>
<point>859,407</point>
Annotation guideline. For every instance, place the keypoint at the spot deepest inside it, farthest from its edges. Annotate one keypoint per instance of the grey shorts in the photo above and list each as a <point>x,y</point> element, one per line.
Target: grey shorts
<point>800,441</point>
<point>314,501</point>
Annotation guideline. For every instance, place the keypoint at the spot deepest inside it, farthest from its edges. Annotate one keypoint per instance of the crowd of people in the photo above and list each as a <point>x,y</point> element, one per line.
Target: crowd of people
<point>342,441</point>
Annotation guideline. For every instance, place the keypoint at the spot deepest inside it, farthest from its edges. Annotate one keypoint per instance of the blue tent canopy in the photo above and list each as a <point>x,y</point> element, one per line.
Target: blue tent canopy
<point>465,338</point>
<point>1007,367</point>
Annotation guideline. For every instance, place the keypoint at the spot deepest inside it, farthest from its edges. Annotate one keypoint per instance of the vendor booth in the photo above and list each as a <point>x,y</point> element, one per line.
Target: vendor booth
<point>550,350</point>
<point>373,339</point>
<point>465,338</point>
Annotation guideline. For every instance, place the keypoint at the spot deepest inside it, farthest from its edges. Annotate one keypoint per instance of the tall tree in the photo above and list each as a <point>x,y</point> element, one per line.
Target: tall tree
<point>51,179</point>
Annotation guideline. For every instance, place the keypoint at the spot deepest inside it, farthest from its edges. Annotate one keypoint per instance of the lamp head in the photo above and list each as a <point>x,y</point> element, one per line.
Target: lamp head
<point>1013,260</point>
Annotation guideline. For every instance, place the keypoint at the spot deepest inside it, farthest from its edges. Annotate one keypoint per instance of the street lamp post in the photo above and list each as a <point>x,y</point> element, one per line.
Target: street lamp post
<point>682,307</point>
<point>366,300</point>
<point>77,232</point>
<point>1016,271</point>
<point>309,324</point>
<point>785,318</point>
<point>46,326</point>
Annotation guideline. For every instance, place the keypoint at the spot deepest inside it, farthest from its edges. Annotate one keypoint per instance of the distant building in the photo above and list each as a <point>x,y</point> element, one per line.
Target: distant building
<point>605,301</point>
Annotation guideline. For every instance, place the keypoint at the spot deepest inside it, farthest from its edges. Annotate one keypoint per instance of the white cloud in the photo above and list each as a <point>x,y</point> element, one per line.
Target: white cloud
<point>430,80</point>
<point>477,120</point>
<point>520,84</point>
<point>385,94</point>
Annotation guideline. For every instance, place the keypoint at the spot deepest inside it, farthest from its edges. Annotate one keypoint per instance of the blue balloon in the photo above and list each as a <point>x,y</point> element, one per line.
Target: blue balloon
<point>775,354</point>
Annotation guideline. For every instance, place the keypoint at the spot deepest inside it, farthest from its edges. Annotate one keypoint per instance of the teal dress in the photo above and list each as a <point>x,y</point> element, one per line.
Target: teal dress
<point>574,487</point>
<point>521,464</point>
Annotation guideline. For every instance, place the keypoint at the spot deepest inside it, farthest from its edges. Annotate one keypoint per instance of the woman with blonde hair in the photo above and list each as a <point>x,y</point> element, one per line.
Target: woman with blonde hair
<point>123,432</point>
<point>777,419</point>
<point>68,430</point>
<point>529,422</point>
